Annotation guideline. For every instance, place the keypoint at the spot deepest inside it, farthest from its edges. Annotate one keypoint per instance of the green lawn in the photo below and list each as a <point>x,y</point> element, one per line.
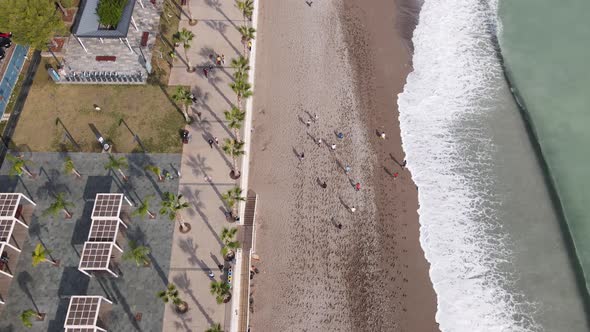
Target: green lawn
<point>146,109</point>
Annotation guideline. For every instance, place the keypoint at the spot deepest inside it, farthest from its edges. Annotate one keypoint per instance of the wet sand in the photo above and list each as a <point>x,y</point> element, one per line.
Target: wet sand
<point>346,62</point>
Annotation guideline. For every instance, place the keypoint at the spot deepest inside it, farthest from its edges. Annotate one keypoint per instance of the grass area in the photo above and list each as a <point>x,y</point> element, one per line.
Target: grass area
<point>146,109</point>
<point>161,61</point>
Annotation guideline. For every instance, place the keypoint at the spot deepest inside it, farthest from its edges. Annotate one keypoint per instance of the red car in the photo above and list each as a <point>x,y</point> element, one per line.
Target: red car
<point>6,34</point>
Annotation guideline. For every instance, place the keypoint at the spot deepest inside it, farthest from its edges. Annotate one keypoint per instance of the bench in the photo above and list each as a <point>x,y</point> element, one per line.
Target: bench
<point>106,58</point>
<point>144,38</point>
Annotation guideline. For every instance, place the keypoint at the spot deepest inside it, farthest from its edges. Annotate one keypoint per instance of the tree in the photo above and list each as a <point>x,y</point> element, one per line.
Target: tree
<point>27,315</point>
<point>232,197</point>
<point>241,67</point>
<point>235,118</point>
<point>32,22</point>
<point>40,254</point>
<point>70,168</point>
<point>138,254</point>
<point>221,290</point>
<point>18,166</point>
<point>246,7</point>
<point>156,170</point>
<point>242,88</point>
<point>172,206</point>
<point>234,149</point>
<point>59,204</point>
<point>216,327</point>
<point>170,294</point>
<point>185,37</point>
<point>144,208</point>
<point>109,12</point>
<point>247,35</point>
<point>230,244</point>
<point>183,96</point>
<point>117,164</point>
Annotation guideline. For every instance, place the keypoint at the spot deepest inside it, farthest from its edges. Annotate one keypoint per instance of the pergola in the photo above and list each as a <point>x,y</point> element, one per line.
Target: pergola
<point>85,313</point>
<point>87,23</point>
<point>98,256</point>
<point>15,208</point>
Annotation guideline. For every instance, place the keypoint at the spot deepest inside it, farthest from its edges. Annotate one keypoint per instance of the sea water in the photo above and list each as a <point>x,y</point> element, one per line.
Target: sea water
<point>499,261</point>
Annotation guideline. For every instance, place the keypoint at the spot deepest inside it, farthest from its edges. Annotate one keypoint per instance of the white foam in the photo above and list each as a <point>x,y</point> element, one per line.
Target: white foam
<point>450,157</point>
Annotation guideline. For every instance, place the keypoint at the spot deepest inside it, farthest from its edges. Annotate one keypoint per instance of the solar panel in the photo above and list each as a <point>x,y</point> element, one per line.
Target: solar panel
<point>96,255</point>
<point>103,230</point>
<point>6,226</point>
<point>107,205</point>
<point>8,204</point>
<point>83,311</point>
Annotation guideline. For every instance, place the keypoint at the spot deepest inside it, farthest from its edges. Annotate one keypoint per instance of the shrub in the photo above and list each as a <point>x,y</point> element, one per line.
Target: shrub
<point>109,12</point>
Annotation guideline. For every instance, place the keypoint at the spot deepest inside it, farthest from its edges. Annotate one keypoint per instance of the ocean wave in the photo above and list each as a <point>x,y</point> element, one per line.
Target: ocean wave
<point>443,110</point>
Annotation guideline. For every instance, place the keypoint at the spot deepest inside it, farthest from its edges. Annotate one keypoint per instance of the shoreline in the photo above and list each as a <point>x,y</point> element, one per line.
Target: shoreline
<point>370,273</point>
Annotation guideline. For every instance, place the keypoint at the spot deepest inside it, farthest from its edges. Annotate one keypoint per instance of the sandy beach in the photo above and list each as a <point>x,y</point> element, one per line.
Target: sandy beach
<point>344,62</point>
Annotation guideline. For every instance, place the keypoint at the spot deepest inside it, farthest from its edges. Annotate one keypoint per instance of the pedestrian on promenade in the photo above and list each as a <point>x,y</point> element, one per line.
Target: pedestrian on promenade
<point>395,175</point>
<point>324,185</point>
<point>346,169</point>
<point>319,142</point>
<point>352,209</point>
<point>205,72</point>
<point>333,147</point>
<point>218,60</point>
<point>211,275</point>
<point>216,141</point>
<point>357,186</point>
<point>404,163</point>
<point>210,141</point>
<point>249,45</point>
<point>223,59</point>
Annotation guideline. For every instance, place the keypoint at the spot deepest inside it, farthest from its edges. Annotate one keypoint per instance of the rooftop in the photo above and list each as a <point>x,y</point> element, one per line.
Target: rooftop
<point>87,25</point>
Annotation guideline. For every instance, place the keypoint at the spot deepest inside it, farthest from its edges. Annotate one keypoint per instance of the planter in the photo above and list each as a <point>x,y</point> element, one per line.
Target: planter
<point>234,175</point>
<point>230,256</point>
<point>227,298</point>
<point>181,308</point>
<point>190,69</point>
<point>193,22</point>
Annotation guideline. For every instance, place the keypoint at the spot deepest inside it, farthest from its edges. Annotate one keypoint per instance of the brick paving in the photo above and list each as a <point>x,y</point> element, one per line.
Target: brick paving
<point>49,287</point>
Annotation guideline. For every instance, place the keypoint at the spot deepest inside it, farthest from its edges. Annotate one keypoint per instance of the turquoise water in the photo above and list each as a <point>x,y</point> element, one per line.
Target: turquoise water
<point>546,49</point>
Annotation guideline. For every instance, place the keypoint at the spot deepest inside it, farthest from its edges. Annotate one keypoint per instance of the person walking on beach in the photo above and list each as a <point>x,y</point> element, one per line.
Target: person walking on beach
<point>352,209</point>
<point>210,141</point>
<point>382,135</point>
<point>340,135</point>
<point>308,123</point>
<point>346,169</point>
<point>339,226</point>
<point>316,117</point>
<point>404,163</point>
<point>319,142</point>
<point>395,175</point>
<point>324,185</point>
<point>333,147</point>
<point>301,156</point>
<point>357,186</point>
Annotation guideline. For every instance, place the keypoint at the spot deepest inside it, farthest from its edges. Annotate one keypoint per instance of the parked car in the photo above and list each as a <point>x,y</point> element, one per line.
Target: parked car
<point>5,42</point>
<point>2,53</point>
<point>6,34</point>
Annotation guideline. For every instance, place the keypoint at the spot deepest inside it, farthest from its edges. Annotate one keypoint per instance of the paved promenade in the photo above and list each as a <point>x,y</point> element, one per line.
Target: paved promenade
<point>205,169</point>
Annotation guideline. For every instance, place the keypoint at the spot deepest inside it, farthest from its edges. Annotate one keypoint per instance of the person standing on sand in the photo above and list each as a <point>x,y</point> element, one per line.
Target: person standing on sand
<point>404,163</point>
<point>324,185</point>
<point>339,226</point>
<point>308,123</point>
<point>352,209</point>
<point>357,186</point>
<point>395,175</point>
<point>382,135</point>
<point>346,169</point>
<point>319,142</point>
<point>333,147</point>
<point>301,156</point>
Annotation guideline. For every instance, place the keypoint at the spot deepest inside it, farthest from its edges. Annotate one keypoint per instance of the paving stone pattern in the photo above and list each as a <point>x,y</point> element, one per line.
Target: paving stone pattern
<point>49,287</point>
<point>147,19</point>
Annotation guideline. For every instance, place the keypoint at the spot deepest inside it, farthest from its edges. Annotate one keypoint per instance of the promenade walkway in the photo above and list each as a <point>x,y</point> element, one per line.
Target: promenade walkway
<point>205,169</point>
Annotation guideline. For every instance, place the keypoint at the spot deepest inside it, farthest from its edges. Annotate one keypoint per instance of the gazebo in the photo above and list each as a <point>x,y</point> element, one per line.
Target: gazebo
<point>87,24</point>
<point>87,314</point>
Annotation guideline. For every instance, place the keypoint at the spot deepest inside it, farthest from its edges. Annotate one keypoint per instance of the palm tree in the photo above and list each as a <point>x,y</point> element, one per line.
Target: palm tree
<point>156,170</point>
<point>185,37</point>
<point>183,96</point>
<point>235,118</point>
<point>139,254</point>
<point>171,206</point>
<point>232,197</point>
<point>246,7</point>
<point>230,244</point>
<point>70,168</point>
<point>221,290</point>
<point>60,204</point>
<point>234,149</point>
<point>247,35</point>
<point>117,164</point>
<point>242,88</point>
<point>27,315</point>
<point>170,294</point>
<point>216,327</point>
<point>18,166</point>
<point>144,208</point>
<point>191,21</point>
<point>40,254</point>
<point>241,66</point>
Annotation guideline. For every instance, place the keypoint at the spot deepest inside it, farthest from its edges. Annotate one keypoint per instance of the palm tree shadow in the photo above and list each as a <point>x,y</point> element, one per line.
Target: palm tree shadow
<point>198,205</point>
<point>172,102</point>
<point>217,5</point>
<point>221,27</point>
<point>184,284</point>
<point>202,103</point>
